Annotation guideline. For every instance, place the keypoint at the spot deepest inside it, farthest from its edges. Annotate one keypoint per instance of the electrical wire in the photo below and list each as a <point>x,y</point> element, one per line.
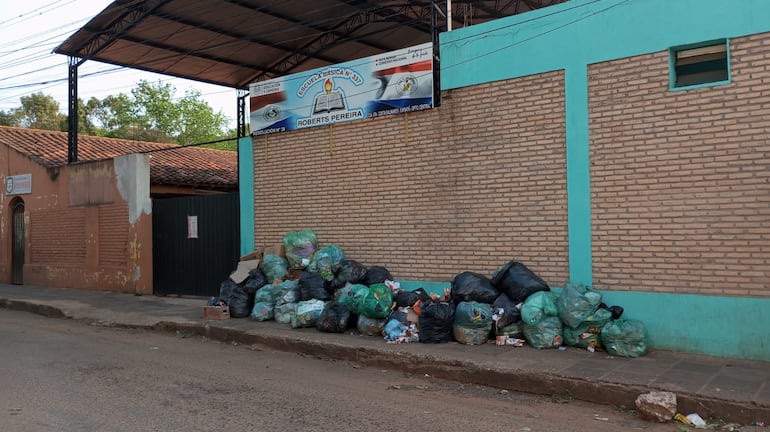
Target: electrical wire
<point>38,57</point>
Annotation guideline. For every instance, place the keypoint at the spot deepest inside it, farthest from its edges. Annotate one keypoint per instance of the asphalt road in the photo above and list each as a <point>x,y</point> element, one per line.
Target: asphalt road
<point>60,375</point>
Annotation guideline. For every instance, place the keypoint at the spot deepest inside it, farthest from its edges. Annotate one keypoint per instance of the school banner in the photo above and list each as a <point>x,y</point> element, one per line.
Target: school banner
<point>390,83</point>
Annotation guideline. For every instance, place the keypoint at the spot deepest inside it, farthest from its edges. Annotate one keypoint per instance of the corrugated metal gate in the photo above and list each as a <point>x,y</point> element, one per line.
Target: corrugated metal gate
<point>195,243</point>
<point>17,252</point>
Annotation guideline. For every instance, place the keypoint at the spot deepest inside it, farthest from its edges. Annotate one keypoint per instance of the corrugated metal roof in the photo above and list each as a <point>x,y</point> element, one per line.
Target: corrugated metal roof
<point>237,42</point>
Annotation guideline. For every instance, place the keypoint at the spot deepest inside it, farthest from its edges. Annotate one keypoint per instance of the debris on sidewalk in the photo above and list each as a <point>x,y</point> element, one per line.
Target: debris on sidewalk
<point>511,307</point>
<point>658,406</point>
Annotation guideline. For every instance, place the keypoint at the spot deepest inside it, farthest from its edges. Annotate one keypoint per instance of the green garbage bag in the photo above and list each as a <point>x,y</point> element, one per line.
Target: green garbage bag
<point>538,306</point>
<point>576,303</point>
<point>370,326</point>
<point>351,295</point>
<point>476,315</point>
<point>262,311</point>
<point>546,333</point>
<point>264,294</point>
<point>326,261</point>
<point>587,334</point>
<point>283,312</point>
<point>470,335</point>
<point>274,267</point>
<point>377,301</point>
<point>307,313</point>
<point>625,338</point>
<point>300,247</point>
<point>286,292</point>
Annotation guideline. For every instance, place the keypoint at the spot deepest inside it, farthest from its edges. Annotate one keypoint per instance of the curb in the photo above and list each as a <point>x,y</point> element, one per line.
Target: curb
<point>605,393</point>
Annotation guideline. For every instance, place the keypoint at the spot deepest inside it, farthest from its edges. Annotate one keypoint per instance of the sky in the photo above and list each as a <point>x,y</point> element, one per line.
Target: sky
<point>31,29</point>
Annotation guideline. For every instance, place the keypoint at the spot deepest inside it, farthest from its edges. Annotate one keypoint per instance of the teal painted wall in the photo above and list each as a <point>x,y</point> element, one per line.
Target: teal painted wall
<point>718,326</point>
<point>246,193</point>
<point>581,32</point>
<point>571,36</point>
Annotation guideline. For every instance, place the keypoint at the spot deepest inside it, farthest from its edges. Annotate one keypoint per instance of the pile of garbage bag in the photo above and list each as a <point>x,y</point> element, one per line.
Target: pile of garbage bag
<point>325,289</point>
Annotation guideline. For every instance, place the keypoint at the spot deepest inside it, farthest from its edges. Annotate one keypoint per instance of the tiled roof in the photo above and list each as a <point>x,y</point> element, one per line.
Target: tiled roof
<point>172,165</point>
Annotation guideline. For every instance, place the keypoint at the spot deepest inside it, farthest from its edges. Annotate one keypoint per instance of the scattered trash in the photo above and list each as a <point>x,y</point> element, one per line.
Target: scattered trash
<point>682,419</point>
<point>696,420</point>
<point>504,392</point>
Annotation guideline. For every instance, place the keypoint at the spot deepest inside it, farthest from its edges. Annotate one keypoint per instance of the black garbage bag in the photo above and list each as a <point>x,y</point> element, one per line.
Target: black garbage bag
<point>335,318</point>
<point>617,311</point>
<point>377,275</point>
<point>255,281</point>
<point>436,321</point>
<point>350,271</point>
<point>399,315</point>
<point>236,297</point>
<point>473,287</point>
<point>312,286</point>
<point>517,281</point>
<point>409,298</point>
<point>505,311</point>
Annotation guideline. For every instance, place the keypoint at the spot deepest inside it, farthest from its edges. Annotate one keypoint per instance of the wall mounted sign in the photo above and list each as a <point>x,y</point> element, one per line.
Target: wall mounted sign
<point>18,184</point>
<point>390,83</point>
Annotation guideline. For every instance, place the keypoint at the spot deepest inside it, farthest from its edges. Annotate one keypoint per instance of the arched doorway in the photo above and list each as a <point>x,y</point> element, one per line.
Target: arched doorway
<point>17,241</point>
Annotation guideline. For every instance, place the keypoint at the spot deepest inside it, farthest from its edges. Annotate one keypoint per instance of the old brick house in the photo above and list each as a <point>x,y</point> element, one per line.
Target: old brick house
<point>89,225</point>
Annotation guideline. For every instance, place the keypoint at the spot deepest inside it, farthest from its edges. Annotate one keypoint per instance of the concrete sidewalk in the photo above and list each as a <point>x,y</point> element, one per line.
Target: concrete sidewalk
<point>729,389</point>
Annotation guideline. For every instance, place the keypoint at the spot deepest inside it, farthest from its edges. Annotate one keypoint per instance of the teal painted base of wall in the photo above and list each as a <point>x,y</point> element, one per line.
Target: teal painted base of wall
<point>732,327</point>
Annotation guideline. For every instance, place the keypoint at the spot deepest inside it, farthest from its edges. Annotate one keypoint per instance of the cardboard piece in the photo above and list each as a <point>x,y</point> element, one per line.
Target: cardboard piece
<point>276,249</point>
<point>216,312</point>
<point>241,272</point>
<point>251,256</point>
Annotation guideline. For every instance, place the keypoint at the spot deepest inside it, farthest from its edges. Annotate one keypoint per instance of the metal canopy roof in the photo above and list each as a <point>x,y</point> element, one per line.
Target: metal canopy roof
<point>237,42</point>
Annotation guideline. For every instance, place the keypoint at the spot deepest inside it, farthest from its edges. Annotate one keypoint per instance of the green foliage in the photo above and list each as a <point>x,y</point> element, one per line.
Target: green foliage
<point>149,113</point>
<point>7,119</point>
<point>39,111</point>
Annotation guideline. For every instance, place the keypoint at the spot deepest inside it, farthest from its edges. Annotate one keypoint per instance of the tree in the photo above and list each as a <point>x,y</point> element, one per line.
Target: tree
<point>149,113</point>
<point>39,111</point>
<point>7,119</point>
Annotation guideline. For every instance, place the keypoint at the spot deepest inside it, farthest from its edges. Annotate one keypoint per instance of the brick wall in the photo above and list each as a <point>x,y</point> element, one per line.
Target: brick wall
<point>113,235</point>
<point>57,236</point>
<point>680,180</point>
<point>468,186</point>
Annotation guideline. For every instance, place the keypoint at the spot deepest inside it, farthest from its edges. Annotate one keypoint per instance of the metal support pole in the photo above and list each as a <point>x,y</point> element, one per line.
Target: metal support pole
<point>242,95</point>
<point>72,115</point>
<point>436,55</point>
<point>448,15</point>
